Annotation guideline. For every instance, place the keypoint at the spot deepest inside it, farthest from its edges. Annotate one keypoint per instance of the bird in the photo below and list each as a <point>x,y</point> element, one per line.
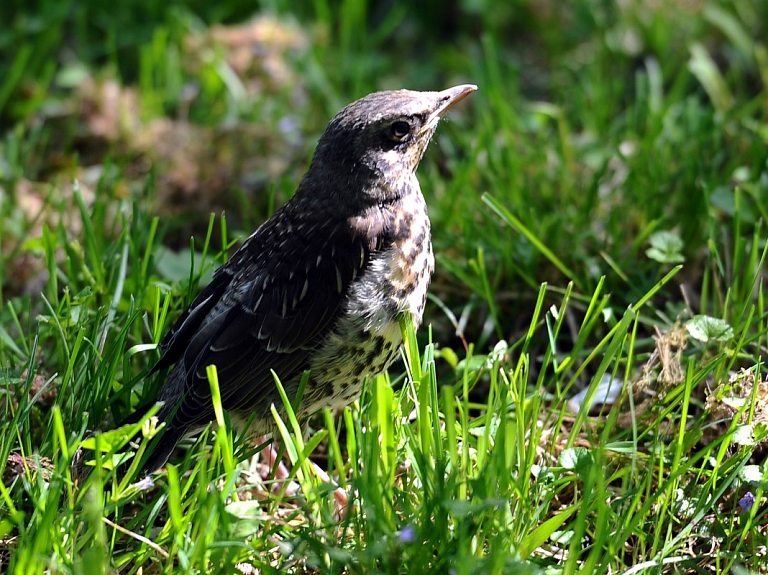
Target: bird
<point>319,286</point>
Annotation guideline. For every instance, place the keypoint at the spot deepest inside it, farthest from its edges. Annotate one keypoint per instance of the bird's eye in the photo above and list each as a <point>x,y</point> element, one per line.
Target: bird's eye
<point>399,131</point>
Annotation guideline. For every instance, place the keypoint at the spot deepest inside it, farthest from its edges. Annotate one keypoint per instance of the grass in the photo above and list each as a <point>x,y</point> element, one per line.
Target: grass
<point>598,212</point>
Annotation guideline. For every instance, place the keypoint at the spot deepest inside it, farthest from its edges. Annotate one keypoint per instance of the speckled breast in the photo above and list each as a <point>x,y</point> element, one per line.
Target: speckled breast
<point>367,338</point>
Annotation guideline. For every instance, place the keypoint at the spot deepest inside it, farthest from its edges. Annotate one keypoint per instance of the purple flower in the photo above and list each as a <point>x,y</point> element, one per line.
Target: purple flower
<point>145,484</point>
<point>747,501</point>
<point>406,535</point>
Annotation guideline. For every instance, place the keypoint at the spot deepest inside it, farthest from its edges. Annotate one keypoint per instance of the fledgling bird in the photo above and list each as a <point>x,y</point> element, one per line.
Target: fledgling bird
<point>319,286</point>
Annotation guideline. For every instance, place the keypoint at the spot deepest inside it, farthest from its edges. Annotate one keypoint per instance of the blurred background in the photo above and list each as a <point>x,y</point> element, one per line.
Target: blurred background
<point>607,134</point>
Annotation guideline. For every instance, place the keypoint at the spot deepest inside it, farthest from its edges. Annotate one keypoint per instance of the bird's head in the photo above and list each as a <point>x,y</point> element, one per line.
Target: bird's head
<point>378,141</point>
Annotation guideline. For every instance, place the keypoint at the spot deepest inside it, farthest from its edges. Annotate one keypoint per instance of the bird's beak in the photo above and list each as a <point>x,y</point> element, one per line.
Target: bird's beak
<point>446,100</point>
<point>451,96</point>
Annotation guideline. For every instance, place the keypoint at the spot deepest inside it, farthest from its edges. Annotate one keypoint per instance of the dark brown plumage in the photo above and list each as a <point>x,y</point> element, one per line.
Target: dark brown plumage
<point>319,285</point>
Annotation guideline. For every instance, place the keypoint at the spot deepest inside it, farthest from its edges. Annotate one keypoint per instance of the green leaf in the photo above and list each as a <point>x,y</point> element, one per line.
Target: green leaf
<point>705,328</point>
<point>666,247</point>
<point>248,517</point>
<point>449,356</point>
<point>548,529</point>
<point>174,265</point>
<point>577,459</point>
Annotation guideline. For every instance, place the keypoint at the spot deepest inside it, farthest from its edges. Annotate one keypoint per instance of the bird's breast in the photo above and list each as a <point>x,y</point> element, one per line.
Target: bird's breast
<point>398,274</point>
<point>367,336</point>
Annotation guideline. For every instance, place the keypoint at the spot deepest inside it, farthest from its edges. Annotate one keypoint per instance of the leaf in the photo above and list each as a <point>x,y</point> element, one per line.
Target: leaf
<point>449,356</point>
<point>705,328</point>
<point>760,431</point>
<point>249,518</point>
<point>666,247</point>
<point>549,529</point>
<point>578,459</point>
<point>473,364</point>
<point>245,509</point>
<point>174,265</point>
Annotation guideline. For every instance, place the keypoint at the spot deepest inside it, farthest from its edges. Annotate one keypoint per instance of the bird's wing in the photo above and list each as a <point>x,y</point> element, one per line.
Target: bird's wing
<point>176,340</point>
<point>265,310</point>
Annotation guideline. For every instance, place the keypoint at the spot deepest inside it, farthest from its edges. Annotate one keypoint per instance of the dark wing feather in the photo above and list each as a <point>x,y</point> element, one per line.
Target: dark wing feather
<point>265,310</point>
<point>176,340</point>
